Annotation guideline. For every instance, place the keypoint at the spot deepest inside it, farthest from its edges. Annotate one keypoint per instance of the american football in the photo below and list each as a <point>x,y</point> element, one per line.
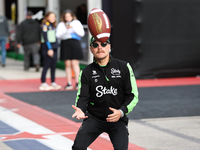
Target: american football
<point>99,25</point>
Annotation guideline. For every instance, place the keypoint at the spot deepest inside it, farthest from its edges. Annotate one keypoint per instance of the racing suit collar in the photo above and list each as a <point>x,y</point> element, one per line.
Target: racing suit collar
<point>106,64</point>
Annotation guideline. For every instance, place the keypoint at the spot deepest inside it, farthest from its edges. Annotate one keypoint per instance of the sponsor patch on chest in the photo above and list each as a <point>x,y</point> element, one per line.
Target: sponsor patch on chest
<point>115,73</point>
<point>104,91</point>
<point>95,74</point>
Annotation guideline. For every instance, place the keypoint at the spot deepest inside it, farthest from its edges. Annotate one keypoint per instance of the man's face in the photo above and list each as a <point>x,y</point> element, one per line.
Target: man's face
<point>101,51</point>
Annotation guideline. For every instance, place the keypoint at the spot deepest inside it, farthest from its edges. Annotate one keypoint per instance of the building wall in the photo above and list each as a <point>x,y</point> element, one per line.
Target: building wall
<point>69,4</point>
<point>158,38</point>
<point>2,11</point>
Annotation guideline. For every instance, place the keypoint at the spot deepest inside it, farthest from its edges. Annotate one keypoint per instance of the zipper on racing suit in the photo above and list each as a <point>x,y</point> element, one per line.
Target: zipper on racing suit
<point>107,80</point>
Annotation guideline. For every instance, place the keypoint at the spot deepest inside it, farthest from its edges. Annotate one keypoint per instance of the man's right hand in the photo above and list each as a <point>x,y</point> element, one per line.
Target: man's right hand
<point>79,114</point>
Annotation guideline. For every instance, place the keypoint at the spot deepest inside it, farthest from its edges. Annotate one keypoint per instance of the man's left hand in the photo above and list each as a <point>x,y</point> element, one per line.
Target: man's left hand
<point>115,116</point>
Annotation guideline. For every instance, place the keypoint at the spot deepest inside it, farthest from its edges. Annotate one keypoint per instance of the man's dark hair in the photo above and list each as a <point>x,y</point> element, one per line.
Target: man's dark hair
<point>29,13</point>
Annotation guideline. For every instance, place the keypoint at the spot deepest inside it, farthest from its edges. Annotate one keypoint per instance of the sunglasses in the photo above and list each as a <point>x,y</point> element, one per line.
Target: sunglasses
<point>95,45</point>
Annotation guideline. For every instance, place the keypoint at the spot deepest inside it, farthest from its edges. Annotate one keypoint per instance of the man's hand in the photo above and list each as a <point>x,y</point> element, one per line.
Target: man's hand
<point>50,53</point>
<point>79,114</point>
<point>115,116</point>
<point>18,45</point>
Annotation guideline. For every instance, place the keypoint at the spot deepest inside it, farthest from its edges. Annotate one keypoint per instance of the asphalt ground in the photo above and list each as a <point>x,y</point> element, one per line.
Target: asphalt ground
<point>154,102</point>
<point>167,116</point>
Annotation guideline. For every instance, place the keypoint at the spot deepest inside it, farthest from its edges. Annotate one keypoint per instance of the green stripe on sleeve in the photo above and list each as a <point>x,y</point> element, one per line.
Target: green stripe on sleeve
<point>79,88</point>
<point>134,90</point>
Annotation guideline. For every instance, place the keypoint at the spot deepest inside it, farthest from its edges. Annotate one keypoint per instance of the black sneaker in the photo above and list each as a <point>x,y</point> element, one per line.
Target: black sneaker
<point>68,87</point>
<point>37,68</point>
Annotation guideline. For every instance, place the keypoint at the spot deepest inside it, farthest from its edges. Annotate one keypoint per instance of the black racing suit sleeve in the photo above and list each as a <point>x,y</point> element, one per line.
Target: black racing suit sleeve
<point>83,93</point>
<point>130,90</point>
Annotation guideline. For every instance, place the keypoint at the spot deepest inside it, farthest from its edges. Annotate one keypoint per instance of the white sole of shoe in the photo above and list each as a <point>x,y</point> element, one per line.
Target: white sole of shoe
<point>69,88</point>
<point>45,88</point>
<point>56,88</point>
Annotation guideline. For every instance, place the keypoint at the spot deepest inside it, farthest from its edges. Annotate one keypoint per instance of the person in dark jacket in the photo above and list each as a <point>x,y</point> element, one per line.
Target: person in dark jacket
<point>107,93</point>
<point>49,50</point>
<point>29,35</point>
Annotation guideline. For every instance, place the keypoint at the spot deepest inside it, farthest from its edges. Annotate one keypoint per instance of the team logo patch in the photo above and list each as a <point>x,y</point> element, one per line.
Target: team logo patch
<point>115,73</point>
<point>95,75</point>
<point>94,72</point>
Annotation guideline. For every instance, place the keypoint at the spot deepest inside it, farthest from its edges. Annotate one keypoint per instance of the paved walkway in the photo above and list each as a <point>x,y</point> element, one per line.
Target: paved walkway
<point>177,133</point>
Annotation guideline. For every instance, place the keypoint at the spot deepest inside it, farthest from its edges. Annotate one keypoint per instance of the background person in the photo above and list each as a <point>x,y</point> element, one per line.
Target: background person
<point>49,50</point>
<point>81,13</point>
<point>70,31</point>
<point>29,34</point>
<point>4,33</point>
<point>107,93</point>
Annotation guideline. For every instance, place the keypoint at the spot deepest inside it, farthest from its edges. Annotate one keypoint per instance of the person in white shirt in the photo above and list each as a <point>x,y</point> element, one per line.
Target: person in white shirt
<point>70,31</point>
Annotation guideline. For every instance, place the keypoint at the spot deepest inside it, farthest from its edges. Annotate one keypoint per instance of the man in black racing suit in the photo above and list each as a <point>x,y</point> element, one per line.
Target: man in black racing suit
<point>107,93</point>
